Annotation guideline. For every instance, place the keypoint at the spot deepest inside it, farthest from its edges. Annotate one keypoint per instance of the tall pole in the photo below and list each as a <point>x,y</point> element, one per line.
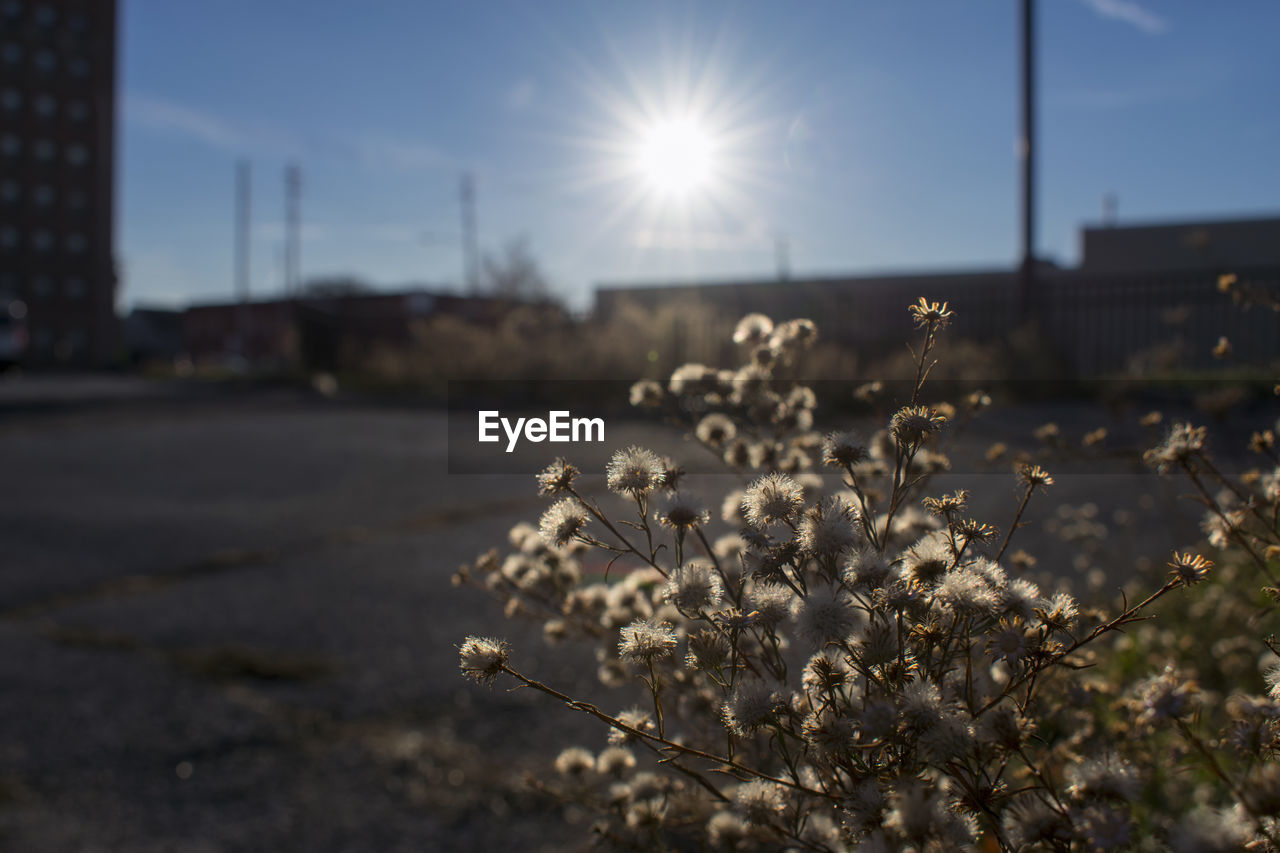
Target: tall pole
<point>1026,156</point>
<point>241,333</point>
<point>242,230</point>
<point>293,194</point>
<point>470,252</point>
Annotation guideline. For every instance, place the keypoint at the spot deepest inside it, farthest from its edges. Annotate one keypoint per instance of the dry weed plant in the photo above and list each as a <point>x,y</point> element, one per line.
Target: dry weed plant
<point>873,669</point>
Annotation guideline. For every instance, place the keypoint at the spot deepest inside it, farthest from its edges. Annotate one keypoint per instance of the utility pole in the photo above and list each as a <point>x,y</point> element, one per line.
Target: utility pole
<point>470,253</point>
<point>1026,156</point>
<point>242,256</point>
<point>292,194</point>
<point>782,256</point>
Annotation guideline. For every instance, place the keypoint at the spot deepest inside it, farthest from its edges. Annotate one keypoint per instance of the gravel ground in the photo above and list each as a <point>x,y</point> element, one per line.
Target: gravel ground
<point>228,623</point>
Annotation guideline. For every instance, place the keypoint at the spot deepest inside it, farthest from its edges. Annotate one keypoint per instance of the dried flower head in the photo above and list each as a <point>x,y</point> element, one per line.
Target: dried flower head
<point>615,761</point>
<point>715,429</point>
<point>682,512</point>
<point>843,449</point>
<point>1188,569</point>
<point>646,394</point>
<point>1034,475</point>
<point>753,329</point>
<point>692,379</point>
<point>1166,697</point>
<point>774,498</point>
<point>556,477</point>
<point>1181,443</point>
<point>708,649</point>
<point>759,801</point>
<point>575,762</point>
<point>694,587</point>
<point>793,334</point>
<point>752,705</point>
<point>827,616</point>
<point>564,520</point>
<point>911,424</point>
<point>482,658</point>
<point>634,471</point>
<point>644,641</point>
<point>827,530</point>
<point>633,718</point>
<point>947,504</point>
<point>926,313</point>
<point>1105,777</point>
<point>771,603</point>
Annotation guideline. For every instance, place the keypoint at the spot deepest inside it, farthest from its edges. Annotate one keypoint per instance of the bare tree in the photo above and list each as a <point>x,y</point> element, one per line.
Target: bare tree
<point>514,273</point>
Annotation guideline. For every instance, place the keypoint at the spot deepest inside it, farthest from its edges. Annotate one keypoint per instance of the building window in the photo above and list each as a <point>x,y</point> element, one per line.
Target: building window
<point>78,22</point>
<point>78,111</point>
<point>77,200</point>
<point>46,106</point>
<point>78,66</point>
<point>44,150</point>
<point>77,155</point>
<point>71,345</point>
<point>76,243</point>
<point>9,237</point>
<point>76,288</point>
<point>46,62</point>
<point>42,287</point>
<point>44,195</point>
<point>11,100</point>
<point>46,15</point>
<point>10,145</point>
<point>42,240</point>
<point>10,192</point>
<point>11,53</point>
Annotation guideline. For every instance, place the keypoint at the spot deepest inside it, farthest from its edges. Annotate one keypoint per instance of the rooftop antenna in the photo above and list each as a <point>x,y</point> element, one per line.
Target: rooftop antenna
<point>470,254</point>
<point>293,194</point>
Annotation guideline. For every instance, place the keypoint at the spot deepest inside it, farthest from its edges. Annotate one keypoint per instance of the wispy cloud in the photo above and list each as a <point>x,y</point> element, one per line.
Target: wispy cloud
<point>1130,13</point>
<point>168,117</point>
<point>369,150</point>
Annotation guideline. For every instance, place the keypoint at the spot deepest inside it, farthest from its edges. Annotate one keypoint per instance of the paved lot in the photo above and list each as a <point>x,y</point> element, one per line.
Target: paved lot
<point>228,625</point>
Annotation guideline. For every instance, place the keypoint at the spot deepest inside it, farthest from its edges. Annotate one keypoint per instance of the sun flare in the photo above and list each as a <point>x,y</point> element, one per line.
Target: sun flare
<point>676,157</point>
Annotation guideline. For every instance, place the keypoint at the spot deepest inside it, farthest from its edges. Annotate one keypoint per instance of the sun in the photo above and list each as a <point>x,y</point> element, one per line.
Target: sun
<point>676,157</point>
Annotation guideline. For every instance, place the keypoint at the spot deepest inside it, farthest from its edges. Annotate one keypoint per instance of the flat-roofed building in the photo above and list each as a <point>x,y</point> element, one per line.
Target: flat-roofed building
<point>57,159</point>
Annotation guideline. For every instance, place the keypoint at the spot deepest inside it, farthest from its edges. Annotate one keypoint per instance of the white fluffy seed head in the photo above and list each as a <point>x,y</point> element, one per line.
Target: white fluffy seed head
<point>483,658</point>
<point>694,587</point>
<point>828,530</point>
<point>634,471</point>
<point>644,641</point>
<point>564,520</point>
<point>752,705</point>
<point>773,498</point>
<point>827,616</point>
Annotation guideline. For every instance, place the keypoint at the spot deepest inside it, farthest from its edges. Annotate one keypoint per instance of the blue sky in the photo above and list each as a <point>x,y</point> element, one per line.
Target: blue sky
<point>875,136</point>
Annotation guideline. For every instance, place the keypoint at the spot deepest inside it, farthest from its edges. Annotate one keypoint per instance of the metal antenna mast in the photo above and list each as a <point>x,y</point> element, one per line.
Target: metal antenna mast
<point>293,194</point>
<point>470,253</point>
<point>242,231</point>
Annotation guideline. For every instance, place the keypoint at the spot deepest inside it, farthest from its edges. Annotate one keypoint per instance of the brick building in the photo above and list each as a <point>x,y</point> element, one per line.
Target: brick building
<point>57,157</point>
